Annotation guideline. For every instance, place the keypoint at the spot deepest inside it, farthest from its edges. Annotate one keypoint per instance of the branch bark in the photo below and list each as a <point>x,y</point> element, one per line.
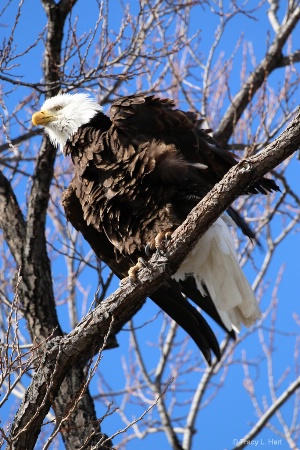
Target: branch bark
<point>12,221</point>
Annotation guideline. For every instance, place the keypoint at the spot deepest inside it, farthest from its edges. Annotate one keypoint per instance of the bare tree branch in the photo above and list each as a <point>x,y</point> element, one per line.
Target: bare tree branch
<point>256,78</point>
<point>20,139</point>
<point>263,420</point>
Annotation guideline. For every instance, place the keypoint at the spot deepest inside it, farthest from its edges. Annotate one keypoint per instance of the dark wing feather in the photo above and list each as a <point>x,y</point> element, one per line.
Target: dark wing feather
<point>183,152</point>
<point>170,299</point>
<point>155,118</point>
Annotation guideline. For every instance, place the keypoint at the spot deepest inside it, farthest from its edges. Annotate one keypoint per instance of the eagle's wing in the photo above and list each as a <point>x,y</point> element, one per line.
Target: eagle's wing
<point>150,117</point>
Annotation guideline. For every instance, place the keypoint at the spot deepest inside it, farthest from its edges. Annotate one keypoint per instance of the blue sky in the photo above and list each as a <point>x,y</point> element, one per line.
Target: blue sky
<point>230,415</point>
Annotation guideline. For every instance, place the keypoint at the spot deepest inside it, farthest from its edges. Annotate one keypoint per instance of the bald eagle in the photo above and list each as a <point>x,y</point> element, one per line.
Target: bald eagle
<point>138,174</point>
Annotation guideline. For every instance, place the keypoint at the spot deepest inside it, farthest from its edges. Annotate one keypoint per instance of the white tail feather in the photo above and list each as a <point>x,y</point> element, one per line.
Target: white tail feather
<point>213,263</point>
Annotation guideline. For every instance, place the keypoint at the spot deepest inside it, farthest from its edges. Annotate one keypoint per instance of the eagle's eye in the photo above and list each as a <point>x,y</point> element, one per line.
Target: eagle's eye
<point>57,108</point>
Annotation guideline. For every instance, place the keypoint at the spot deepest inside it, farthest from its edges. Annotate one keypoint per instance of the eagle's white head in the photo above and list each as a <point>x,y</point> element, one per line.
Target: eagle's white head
<point>63,114</point>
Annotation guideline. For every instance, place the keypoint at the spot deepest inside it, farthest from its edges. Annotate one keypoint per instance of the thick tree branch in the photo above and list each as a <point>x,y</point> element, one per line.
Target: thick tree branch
<point>63,353</point>
<point>57,14</point>
<point>36,287</point>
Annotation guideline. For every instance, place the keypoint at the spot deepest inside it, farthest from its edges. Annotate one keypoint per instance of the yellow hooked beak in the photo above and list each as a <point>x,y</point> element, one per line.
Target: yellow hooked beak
<point>42,118</point>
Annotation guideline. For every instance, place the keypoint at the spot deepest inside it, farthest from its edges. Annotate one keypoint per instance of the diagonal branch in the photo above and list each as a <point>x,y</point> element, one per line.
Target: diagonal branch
<point>243,442</point>
<point>271,61</point>
<point>20,139</point>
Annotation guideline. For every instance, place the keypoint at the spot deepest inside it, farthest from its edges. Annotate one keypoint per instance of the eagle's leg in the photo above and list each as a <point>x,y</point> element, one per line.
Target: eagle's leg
<point>159,242</point>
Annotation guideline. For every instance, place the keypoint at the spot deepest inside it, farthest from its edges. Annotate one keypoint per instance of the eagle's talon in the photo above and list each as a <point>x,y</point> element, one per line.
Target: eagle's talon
<point>158,244</point>
<point>148,250</point>
<point>160,252</point>
<point>162,239</point>
<point>142,263</point>
<point>123,281</point>
<point>132,272</point>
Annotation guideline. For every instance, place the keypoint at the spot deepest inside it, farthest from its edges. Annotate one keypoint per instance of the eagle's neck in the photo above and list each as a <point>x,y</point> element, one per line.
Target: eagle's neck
<point>76,143</point>
<point>62,132</point>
